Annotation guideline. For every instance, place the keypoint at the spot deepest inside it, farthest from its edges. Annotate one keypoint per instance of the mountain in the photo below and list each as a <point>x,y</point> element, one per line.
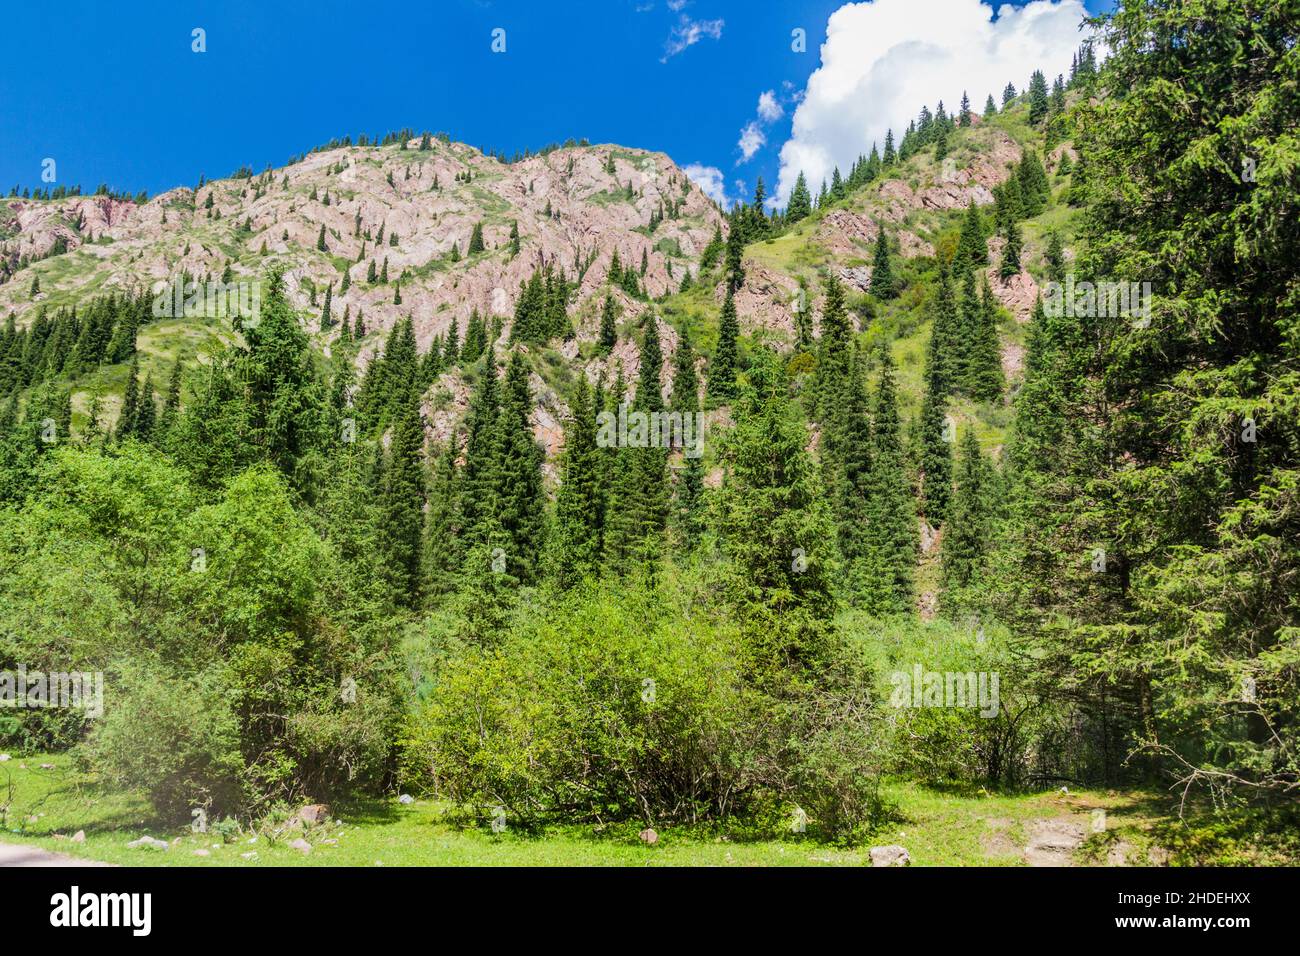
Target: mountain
<point>410,209</point>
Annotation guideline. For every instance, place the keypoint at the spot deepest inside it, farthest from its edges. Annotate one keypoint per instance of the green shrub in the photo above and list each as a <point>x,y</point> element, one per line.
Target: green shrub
<point>633,704</point>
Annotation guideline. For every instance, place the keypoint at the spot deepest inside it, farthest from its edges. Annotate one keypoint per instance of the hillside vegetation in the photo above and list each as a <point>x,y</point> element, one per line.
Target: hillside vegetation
<point>550,494</point>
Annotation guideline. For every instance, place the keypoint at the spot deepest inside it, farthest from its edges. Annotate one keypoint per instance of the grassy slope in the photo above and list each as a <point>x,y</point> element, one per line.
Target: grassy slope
<point>903,321</point>
<point>937,828</point>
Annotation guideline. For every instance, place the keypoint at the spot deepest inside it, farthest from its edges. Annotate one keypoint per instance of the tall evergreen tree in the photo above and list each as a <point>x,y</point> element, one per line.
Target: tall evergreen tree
<point>800,204</point>
<point>723,368</point>
<point>608,329</point>
<point>520,498</point>
<point>883,286</point>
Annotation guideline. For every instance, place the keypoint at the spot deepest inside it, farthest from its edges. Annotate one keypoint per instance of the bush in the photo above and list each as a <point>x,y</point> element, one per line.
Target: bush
<point>224,678</point>
<point>636,705</point>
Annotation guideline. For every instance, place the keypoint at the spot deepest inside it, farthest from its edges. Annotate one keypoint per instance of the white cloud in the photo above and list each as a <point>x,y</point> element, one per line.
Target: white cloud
<point>883,60</point>
<point>751,141</point>
<point>689,32</point>
<point>769,110</point>
<point>709,179</point>
<point>676,5</point>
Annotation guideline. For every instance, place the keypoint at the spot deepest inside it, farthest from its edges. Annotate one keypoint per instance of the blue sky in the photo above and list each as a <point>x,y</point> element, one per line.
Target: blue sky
<point>114,93</point>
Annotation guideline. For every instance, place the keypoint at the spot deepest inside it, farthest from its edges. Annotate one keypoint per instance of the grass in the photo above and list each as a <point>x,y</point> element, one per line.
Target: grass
<point>938,828</point>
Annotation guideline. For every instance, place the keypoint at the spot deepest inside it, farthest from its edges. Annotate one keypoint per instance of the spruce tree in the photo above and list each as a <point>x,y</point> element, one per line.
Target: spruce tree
<point>776,528</point>
<point>1011,252</point>
<point>972,247</point>
<point>984,379</point>
<point>723,368</point>
<point>608,329</point>
<point>735,256</point>
<point>882,575</point>
<point>520,497</point>
<point>401,503</point>
<point>130,402</point>
<point>883,286</point>
<point>1038,98</point>
<point>689,518</point>
<point>968,538</point>
<point>800,204</point>
<point>577,542</point>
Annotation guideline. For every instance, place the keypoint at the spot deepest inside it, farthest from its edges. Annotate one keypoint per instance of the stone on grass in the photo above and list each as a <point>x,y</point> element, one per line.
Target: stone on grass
<point>648,836</point>
<point>301,845</point>
<point>406,798</point>
<point>79,836</point>
<point>893,855</point>
<point>314,814</point>
<point>147,842</point>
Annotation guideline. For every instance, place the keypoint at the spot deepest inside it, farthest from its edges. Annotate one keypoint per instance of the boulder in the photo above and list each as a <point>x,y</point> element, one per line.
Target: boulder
<point>314,814</point>
<point>147,842</point>
<point>648,836</point>
<point>892,855</point>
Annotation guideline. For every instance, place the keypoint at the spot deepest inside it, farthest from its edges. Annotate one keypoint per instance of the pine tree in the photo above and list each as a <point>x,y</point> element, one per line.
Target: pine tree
<point>883,286</point>
<point>882,576</point>
<point>833,349</point>
<point>968,537</point>
<point>146,412</point>
<point>577,540</point>
<point>800,204</point>
<point>638,502</point>
<point>972,247</point>
<point>735,256</point>
<point>476,239</point>
<point>608,330</point>
<point>520,497</point>
<point>1011,252</point>
<point>401,503</point>
<point>723,368</point>
<point>1038,98</point>
<point>776,527</point>
<point>126,422</point>
<point>320,240</point>
<point>690,484</point>
<point>325,322</point>
<point>984,378</point>
<point>1055,257</point>
<point>990,107</point>
<point>965,117</point>
<point>442,549</point>
<point>479,483</point>
<point>171,403</point>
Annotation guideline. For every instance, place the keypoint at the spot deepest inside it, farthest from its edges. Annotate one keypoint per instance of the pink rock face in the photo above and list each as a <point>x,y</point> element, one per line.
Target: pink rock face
<point>1018,293</point>
<point>571,213</point>
<point>767,300</point>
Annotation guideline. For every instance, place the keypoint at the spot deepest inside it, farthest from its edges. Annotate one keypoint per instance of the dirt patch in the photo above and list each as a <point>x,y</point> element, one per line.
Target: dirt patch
<point>13,854</point>
<point>995,841</point>
<point>1052,842</point>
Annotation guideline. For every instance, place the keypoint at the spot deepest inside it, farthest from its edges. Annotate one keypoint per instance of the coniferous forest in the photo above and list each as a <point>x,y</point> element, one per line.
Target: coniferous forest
<point>712,525</point>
